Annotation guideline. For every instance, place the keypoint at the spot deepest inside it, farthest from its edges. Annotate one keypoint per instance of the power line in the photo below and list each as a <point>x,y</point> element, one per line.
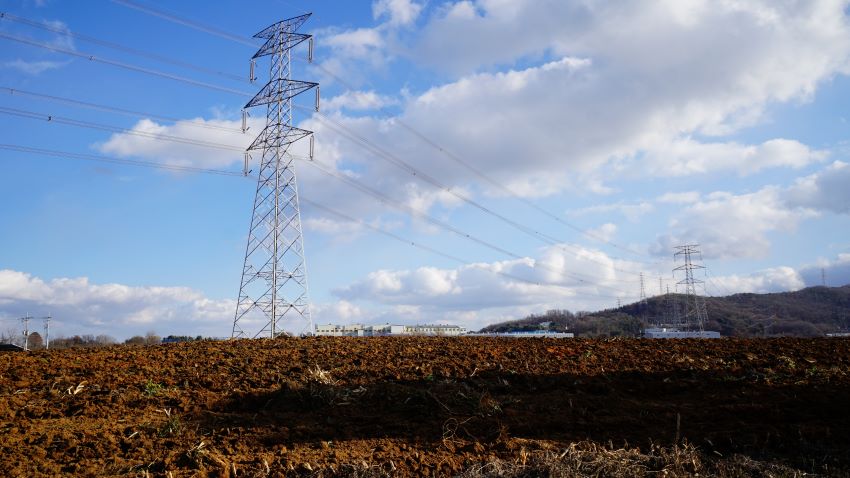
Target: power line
<point>351,135</point>
<point>119,64</point>
<point>417,173</point>
<point>70,155</point>
<point>363,142</point>
<point>359,185</point>
<point>421,246</point>
<point>103,127</point>
<point>384,199</point>
<point>239,39</point>
<point>185,22</point>
<point>112,109</point>
<point>370,147</point>
<point>106,159</point>
<point>115,46</point>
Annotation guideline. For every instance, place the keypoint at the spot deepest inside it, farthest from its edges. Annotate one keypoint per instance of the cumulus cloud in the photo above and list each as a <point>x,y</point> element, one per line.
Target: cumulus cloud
<point>685,156</point>
<point>826,190</point>
<point>80,306</point>
<point>836,272</point>
<point>35,67</point>
<point>357,101</point>
<point>624,88</point>
<point>563,276</point>
<point>678,198</point>
<point>61,40</point>
<point>632,211</point>
<point>730,226</point>
<point>196,142</point>
<point>606,232</point>
<point>339,312</point>
<point>775,279</point>
<point>400,12</point>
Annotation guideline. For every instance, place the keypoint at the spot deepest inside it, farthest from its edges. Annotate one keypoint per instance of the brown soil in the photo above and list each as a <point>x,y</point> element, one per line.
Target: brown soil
<point>418,406</point>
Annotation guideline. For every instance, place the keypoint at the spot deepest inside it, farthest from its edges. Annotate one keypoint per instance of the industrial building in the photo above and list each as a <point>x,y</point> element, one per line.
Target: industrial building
<point>360,330</point>
<point>539,334</point>
<point>674,333</point>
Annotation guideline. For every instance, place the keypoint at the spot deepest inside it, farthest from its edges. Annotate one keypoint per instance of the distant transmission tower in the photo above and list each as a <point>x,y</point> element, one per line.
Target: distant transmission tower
<point>274,277</point>
<point>642,290</point>
<point>695,311</point>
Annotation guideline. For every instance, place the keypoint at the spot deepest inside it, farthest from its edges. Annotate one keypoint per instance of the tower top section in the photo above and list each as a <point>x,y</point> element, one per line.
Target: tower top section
<point>290,25</point>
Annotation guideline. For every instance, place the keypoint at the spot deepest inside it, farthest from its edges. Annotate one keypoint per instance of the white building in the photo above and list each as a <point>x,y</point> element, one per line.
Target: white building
<point>360,330</point>
<point>674,333</point>
<point>538,334</point>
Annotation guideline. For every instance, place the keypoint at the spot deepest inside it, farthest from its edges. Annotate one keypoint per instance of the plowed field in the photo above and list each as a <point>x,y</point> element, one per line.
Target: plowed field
<point>418,406</point>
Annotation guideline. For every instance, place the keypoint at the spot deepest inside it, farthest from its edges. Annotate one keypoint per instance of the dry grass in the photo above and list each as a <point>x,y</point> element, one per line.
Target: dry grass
<point>589,459</point>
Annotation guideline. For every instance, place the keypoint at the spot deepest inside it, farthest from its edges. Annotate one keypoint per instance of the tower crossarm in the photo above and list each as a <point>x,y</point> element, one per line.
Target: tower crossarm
<point>272,45</point>
<point>280,89</point>
<point>290,25</point>
<point>273,135</point>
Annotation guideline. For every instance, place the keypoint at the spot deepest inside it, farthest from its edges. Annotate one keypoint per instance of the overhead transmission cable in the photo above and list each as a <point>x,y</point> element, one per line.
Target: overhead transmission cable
<point>115,46</point>
<point>85,124</point>
<point>112,109</point>
<point>119,64</point>
<point>189,23</point>
<point>384,199</point>
<point>383,154</point>
<point>424,247</point>
<point>351,135</point>
<point>239,39</point>
<point>106,159</point>
<point>340,129</point>
<point>352,182</point>
<point>148,164</point>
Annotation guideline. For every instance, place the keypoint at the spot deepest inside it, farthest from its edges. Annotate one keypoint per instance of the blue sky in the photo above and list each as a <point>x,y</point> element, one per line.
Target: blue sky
<point>644,124</point>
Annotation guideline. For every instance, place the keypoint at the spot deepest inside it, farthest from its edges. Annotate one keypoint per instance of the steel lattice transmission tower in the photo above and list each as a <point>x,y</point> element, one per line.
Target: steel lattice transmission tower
<point>274,277</point>
<point>696,314</point>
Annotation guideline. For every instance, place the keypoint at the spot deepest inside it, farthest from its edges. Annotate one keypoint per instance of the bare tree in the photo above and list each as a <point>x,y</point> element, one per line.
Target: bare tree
<point>35,341</point>
<point>152,339</point>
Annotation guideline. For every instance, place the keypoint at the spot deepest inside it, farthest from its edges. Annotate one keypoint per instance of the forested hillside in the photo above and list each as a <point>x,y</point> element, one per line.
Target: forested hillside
<point>809,312</point>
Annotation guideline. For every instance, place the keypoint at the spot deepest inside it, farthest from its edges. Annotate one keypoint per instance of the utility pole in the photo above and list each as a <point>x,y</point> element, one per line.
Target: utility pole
<point>26,321</point>
<point>695,311</point>
<point>47,331</point>
<point>274,275</point>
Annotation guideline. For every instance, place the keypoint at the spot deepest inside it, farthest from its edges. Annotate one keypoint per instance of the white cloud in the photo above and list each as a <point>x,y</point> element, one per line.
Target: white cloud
<point>606,232</point>
<point>679,198</point>
<point>632,211</point>
<point>339,312</point>
<point>685,156</point>
<point>836,272</point>
<point>357,101</point>
<point>79,306</point>
<point>35,67</point>
<point>145,140</point>
<point>775,279</point>
<point>358,43</point>
<point>732,226</point>
<point>631,88</point>
<point>400,12</point>
<point>826,191</point>
<point>563,276</point>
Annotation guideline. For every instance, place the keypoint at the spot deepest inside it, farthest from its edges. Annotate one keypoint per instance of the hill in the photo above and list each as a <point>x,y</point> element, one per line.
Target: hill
<point>809,312</point>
